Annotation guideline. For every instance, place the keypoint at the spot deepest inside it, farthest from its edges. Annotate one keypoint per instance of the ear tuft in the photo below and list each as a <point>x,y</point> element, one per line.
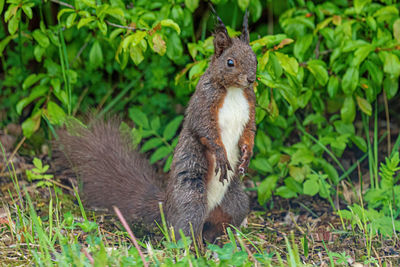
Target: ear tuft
<point>221,37</point>
<point>245,31</point>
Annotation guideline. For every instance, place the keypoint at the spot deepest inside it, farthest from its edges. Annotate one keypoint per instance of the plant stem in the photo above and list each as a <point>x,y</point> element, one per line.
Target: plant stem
<point>376,144</point>
<point>389,145</point>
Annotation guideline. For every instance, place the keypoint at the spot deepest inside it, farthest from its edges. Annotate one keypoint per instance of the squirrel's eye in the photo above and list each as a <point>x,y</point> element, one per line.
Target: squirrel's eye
<point>230,63</point>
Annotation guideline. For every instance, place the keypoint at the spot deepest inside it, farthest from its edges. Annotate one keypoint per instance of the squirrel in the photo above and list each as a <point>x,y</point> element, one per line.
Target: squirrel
<point>204,193</point>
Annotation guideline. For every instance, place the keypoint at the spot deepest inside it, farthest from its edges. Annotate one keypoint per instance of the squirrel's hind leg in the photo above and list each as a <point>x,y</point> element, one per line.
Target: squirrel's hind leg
<point>233,210</point>
<point>186,205</point>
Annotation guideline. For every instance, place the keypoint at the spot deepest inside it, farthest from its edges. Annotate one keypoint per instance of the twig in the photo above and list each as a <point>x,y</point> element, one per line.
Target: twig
<point>377,256</point>
<point>80,101</point>
<point>123,27</point>
<point>80,52</point>
<point>61,185</point>
<point>62,3</point>
<point>133,238</point>
<point>90,258</point>
<point>13,153</point>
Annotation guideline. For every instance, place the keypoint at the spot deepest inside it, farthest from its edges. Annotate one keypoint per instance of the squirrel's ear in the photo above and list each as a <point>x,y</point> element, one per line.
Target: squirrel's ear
<point>245,31</point>
<point>221,38</point>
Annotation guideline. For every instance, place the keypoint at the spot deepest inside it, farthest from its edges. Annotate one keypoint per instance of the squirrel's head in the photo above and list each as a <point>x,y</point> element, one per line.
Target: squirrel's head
<point>233,62</point>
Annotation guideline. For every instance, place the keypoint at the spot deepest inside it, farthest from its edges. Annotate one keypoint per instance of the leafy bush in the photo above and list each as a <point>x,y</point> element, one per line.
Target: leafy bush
<point>318,76</point>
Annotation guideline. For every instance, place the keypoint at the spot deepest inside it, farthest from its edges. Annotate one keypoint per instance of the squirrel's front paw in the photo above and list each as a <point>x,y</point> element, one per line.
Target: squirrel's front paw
<point>222,165</point>
<point>244,160</point>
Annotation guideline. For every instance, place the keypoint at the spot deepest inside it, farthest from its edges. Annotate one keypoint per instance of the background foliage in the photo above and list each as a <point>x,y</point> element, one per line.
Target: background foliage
<point>328,70</point>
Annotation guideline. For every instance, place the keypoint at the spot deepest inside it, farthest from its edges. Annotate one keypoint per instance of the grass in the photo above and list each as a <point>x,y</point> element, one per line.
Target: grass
<point>47,226</point>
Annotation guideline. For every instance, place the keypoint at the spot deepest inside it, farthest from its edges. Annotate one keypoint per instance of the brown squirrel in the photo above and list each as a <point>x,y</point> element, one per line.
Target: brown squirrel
<point>214,148</point>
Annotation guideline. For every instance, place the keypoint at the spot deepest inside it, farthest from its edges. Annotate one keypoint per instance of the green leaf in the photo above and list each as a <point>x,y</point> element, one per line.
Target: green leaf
<point>359,142</point>
<point>375,71</point>
<point>172,24</point>
<point>192,4</point>
<point>90,3</point>
<point>172,127</point>
<point>102,26</point>
<point>31,125</point>
<point>177,13</point>
<point>37,163</point>
<point>41,38</point>
<point>1,5</point>
<point>133,39</point>
<point>96,55</point>
<point>159,154</point>
<point>359,5</point>
<point>197,69</point>
<point>174,47</point>
<point>350,80</point>
<point>311,187</point>
<point>27,10</point>
<point>70,20</point>
<point>85,21</point>
<point>391,86</point>
<point>303,156</point>
<point>298,173</point>
<point>38,52</point>
<point>387,12</point>
<point>243,4</point>
<point>344,128</point>
<point>285,192</point>
<point>348,110</point>
<point>396,30</point>
<point>263,142</point>
<point>261,164</point>
<point>13,25</point>
<point>55,113</point>
<point>115,12</point>
<point>329,170</point>
<point>138,117</point>
<point>168,163</point>
<point>31,79</point>
<point>150,144</point>
<point>114,33</point>
<point>333,86</point>
<point>38,91</point>
<point>292,184</point>
<point>361,54</point>
<point>364,105</point>
<point>136,54</point>
<point>301,46</point>
<point>155,124</point>
<point>319,71</point>
<point>289,64</point>
<point>5,42</point>
<point>392,65</point>
<point>65,10</point>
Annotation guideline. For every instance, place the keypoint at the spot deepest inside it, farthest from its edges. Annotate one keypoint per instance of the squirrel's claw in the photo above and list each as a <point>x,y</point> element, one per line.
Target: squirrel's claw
<point>245,160</point>
<point>241,171</point>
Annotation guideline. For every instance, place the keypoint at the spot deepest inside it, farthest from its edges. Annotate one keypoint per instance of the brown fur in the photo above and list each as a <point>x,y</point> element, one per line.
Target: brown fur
<point>113,174</point>
<point>186,200</point>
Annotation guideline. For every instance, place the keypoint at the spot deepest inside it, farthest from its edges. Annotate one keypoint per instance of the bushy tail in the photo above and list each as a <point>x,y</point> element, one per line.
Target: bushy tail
<point>112,173</point>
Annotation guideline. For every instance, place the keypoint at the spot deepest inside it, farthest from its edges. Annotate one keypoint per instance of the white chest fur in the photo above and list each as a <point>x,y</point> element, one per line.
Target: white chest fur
<point>232,118</point>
